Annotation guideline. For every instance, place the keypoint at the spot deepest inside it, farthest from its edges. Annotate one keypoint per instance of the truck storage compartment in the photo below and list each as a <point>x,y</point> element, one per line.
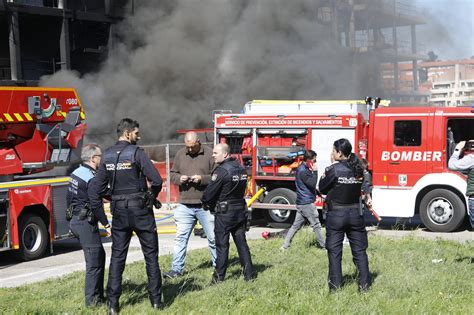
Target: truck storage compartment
<point>278,161</point>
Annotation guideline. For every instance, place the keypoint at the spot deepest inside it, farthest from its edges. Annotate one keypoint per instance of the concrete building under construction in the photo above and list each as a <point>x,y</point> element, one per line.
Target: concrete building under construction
<point>377,31</point>
<point>39,37</point>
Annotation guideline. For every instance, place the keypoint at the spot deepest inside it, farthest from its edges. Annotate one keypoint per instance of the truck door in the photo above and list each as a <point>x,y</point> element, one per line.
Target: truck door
<point>405,153</point>
<point>322,141</point>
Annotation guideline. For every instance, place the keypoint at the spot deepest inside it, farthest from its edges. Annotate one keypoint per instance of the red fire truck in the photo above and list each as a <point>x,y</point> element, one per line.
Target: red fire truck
<point>407,148</point>
<point>40,128</point>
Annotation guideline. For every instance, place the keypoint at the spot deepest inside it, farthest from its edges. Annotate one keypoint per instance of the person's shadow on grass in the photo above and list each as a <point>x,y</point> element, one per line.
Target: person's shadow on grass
<point>354,278</point>
<point>235,274</point>
<point>469,260</point>
<point>171,290</point>
<point>135,292</point>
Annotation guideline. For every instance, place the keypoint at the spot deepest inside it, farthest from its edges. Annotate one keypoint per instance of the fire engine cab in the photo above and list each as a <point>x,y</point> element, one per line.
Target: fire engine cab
<point>40,129</point>
<point>407,149</point>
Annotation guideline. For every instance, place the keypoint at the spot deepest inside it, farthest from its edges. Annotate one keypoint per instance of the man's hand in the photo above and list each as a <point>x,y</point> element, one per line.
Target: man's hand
<point>183,179</point>
<point>108,229</point>
<point>196,179</point>
<point>368,201</point>
<point>460,146</point>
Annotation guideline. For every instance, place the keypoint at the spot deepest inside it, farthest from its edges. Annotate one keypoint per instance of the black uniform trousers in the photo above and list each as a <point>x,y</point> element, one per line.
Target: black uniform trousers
<point>94,255</point>
<point>232,222</point>
<point>346,221</point>
<point>125,222</point>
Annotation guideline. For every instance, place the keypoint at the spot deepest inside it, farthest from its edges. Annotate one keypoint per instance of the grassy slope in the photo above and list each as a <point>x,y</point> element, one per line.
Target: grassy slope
<point>405,280</point>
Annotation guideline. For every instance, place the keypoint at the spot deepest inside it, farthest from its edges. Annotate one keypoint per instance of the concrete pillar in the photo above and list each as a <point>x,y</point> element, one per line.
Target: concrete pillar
<point>415,62</point>
<point>109,7</point>
<point>111,42</point>
<point>335,22</point>
<point>14,45</point>
<point>395,48</point>
<point>351,34</point>
<point>64,44</point>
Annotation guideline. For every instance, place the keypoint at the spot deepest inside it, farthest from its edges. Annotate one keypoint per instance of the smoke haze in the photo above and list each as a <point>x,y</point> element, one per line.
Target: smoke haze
<point>449,31</point>
<point>178,60</point>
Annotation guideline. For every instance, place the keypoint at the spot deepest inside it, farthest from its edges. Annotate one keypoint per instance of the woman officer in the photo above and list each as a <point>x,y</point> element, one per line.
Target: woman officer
<point>342,183</point>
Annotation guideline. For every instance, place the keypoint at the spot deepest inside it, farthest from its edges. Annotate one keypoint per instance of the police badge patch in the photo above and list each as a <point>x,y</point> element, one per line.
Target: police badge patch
<point>214,177</point>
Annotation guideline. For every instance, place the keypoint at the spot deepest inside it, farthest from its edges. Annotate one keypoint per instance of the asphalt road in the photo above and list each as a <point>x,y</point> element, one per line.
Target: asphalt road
<point>68,256</point>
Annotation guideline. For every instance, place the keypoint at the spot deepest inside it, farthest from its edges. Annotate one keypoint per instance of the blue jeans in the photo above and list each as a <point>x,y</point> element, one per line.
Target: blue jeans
<point>186,218</point>
<point>471,212</point>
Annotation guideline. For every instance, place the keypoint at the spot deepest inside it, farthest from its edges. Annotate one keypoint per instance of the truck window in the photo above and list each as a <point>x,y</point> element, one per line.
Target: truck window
<point>458,129</point>
<point>407,133</point>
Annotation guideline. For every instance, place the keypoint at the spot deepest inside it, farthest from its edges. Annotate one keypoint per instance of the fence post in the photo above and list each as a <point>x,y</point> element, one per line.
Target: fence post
<point>168,179</point>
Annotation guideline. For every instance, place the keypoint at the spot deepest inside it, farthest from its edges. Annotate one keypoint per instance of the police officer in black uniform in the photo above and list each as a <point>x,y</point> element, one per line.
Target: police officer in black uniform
<point>342,184</point>
<point>224,196</point>
<point>123,173</point>
<point>84,223</point>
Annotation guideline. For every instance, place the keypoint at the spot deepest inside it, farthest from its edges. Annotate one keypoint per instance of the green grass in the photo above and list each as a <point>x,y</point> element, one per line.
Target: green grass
<point>405,281</point>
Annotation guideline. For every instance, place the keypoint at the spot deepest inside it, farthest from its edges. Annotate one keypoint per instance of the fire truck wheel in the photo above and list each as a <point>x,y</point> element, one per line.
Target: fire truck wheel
<point>280,218</point>
<point>442,210</point>
<point>33,238</point>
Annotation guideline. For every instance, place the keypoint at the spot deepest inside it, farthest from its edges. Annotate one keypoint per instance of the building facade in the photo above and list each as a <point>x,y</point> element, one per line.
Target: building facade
<point>40,37</point>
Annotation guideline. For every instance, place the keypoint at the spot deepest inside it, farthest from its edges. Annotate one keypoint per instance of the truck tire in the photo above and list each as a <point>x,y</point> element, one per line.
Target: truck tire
<point>442,210</point>
<point>33,237</point>
<point>280,218</point>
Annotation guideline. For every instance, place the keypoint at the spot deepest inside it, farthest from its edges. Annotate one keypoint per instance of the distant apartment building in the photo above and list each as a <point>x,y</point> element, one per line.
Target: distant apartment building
<point>441,83</point>
<point>452,82</point>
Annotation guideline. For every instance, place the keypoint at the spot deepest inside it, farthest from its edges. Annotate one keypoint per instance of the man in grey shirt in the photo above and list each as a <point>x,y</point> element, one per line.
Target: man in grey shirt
<point>192,167</point>
<point>466,162</point>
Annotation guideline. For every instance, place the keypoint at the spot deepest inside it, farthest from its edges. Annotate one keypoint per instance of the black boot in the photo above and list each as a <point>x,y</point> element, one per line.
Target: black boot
<point>157,304</point>
<point>113,308</point>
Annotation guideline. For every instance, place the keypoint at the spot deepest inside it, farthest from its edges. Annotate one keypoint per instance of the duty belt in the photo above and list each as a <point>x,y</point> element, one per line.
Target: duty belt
<point>339,206</point>
<point>229,205</point>
<point>135,200</point>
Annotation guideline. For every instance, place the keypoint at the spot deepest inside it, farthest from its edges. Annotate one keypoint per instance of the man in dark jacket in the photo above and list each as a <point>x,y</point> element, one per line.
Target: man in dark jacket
<point>225,197</point>
<point>192,167</point>
<point>306,179</point>
<point>463,160</point>
<point>123,173</point>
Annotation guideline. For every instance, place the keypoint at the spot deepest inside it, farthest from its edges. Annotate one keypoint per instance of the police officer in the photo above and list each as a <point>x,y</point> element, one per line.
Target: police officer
<point>125,168</point>
<point>342,184</point>
<point>84,224</point>
<point>225,197</point>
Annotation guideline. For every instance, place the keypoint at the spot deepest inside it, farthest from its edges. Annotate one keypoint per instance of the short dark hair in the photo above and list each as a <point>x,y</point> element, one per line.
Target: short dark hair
<point>126,124</point>
<point>309,155</point>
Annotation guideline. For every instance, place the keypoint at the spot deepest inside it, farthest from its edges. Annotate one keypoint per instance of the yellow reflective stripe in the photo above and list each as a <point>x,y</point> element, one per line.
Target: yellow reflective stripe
<point>8,117</point>
<point>33,182</point>
<point>18,117</point>
<point>28,116</point>
<point>83,116</point>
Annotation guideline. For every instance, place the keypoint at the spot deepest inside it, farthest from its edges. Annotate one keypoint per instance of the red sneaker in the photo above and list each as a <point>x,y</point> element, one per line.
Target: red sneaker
<point>266,235</point>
